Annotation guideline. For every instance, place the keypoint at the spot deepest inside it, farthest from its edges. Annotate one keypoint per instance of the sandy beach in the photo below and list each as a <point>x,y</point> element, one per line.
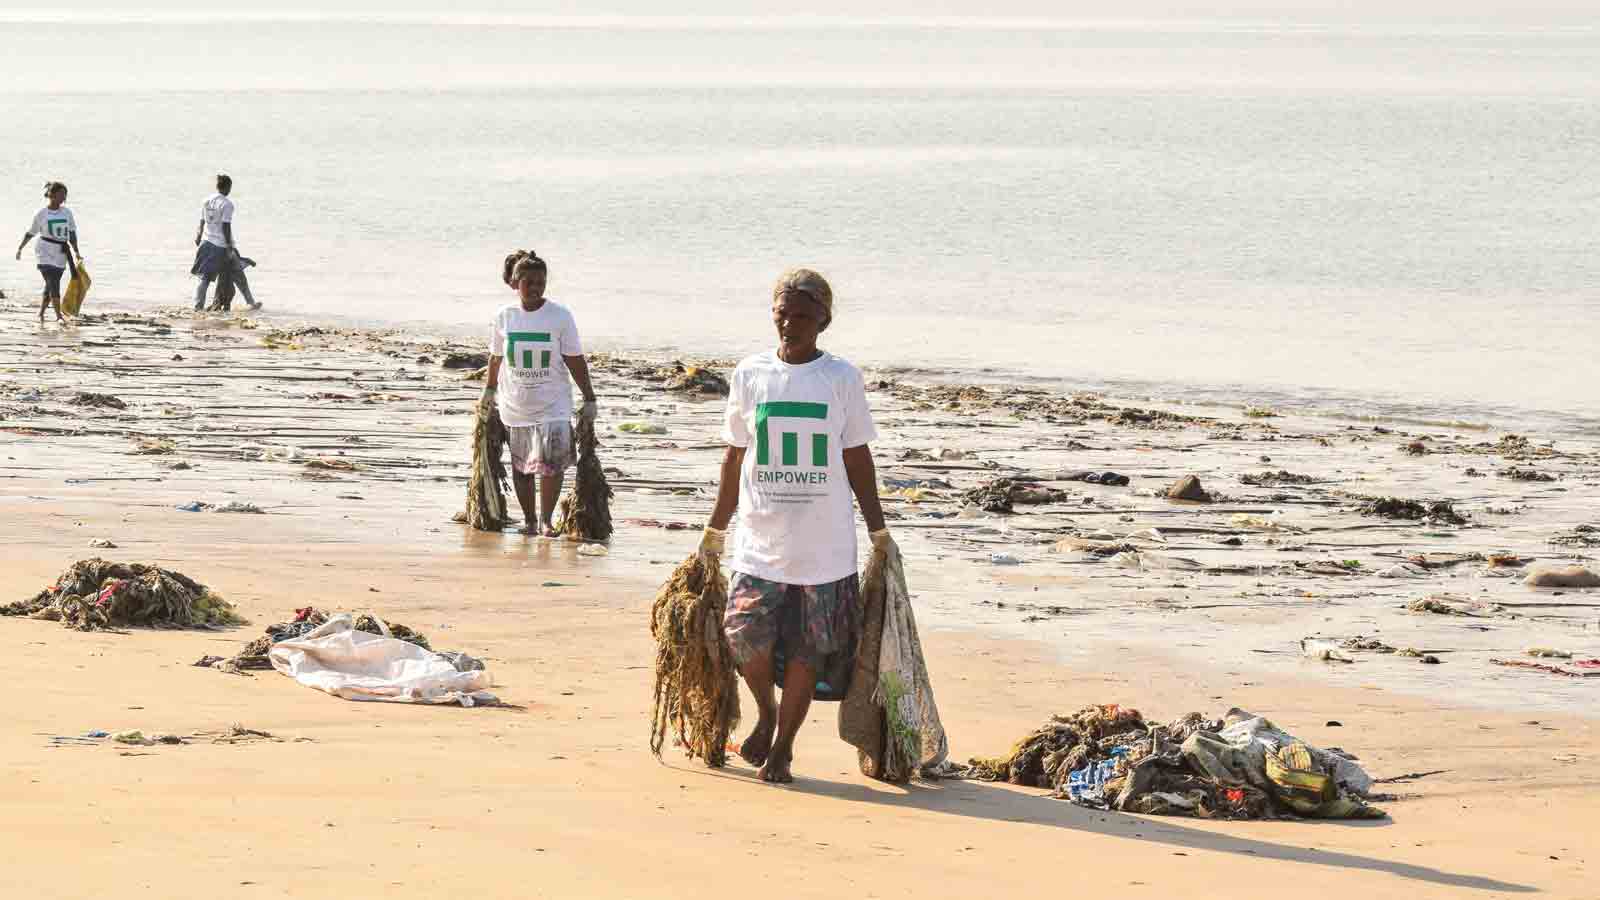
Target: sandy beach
<point>355,447</point>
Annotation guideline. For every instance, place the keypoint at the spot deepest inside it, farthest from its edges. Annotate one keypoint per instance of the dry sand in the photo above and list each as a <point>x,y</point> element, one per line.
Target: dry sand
<point>559,797</point>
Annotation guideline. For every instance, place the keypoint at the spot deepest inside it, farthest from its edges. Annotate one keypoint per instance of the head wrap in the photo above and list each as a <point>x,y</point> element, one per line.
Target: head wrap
<point>809,283</point>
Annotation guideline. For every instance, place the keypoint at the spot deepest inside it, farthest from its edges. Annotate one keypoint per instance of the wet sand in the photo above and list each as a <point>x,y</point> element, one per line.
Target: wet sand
<point>542,799</point>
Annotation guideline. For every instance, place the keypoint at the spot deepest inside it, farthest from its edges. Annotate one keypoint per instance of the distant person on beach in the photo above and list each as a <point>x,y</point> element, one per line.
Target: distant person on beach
<point>57,231</point>
<point>794,610</point>
<point>535,347</point>
<point>216,255</point>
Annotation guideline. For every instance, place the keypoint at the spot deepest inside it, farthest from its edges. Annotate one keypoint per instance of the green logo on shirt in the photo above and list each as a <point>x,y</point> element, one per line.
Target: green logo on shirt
<point>790,440</point>
<point>532,337</point>
<point>58,228</point>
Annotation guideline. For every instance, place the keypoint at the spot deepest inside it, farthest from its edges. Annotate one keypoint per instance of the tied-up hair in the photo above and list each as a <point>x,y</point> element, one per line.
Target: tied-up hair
<point>519,263</point>
<point>50,187</point>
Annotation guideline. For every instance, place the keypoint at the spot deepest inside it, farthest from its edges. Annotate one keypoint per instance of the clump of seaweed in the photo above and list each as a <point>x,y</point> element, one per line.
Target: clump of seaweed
<point>1441,511</point>
<point>586,512</point>
<point>696,693</point>
<point>96,594</point>
<point>486,492</point>
<point>684,379</point>
<point>1271,479</point>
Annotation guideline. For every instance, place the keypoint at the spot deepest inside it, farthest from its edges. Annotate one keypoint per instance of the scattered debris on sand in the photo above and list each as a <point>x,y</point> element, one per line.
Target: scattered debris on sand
<point>1580,536</point>
<point>97,401</point>
<point>1001,495</point>
<point>1451,605</point>
<point>97,594</point>
<point>701,380</point>
<point>1238,767</point>
<point>253,655</point>
<point>1435,511</point>
<point>1274,479</point>
<point>1519,474</point>
<point>464,360</point>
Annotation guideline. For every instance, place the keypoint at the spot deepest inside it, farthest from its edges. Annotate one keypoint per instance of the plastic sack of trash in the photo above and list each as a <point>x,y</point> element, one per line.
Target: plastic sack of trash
<point>889,714</point>
<point>356,665</point>
<point>77,289</point>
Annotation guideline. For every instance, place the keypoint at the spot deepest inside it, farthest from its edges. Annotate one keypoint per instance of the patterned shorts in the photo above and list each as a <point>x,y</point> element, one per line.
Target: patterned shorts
<point>544,449</point>
<point>815,624</point>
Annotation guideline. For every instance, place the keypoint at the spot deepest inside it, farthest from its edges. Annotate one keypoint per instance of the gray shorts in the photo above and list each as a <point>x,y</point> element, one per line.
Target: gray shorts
<point>543,449</point>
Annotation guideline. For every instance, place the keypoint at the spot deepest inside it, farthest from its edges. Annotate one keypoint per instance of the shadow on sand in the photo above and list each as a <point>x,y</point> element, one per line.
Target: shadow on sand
<point>998,804</point>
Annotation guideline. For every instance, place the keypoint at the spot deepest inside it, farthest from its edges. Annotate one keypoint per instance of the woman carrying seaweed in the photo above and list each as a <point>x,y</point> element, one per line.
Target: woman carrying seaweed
<point>793,611</point>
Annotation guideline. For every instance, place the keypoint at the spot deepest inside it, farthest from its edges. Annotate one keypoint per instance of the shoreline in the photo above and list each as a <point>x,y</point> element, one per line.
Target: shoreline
<point>1336,404</point>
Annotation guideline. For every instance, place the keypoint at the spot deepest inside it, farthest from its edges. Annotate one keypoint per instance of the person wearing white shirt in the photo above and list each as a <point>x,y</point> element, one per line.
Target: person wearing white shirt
<point>57,230</point>
<point>797,429</point>
<point>534,356</point>
<point>216,256</point>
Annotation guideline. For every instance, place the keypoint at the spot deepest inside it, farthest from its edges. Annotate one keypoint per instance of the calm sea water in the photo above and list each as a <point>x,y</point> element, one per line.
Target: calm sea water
<point>1387,221</point>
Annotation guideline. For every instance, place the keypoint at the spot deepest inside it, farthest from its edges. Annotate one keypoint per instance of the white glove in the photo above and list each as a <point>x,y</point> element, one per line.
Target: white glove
<point>712,542</point>
<point>881,541</point>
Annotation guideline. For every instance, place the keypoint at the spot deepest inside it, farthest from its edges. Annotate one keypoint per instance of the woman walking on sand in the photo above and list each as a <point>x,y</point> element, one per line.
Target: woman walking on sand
<point>793,615</point>
<point>57,231</point>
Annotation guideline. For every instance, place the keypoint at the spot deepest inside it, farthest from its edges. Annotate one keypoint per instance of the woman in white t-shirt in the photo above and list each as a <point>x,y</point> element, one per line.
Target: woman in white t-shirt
<point>535,355</point>
<point>794,611</point>
<point>56,230</point>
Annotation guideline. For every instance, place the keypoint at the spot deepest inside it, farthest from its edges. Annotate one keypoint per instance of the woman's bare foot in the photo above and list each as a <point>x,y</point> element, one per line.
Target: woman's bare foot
<point>529,530</point>
<point>550,531</point>
<point>755,748</point>
<point>776,771</point>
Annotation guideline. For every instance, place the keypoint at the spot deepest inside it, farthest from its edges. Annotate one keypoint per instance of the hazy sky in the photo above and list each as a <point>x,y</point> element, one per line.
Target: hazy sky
<point>1528,11</point>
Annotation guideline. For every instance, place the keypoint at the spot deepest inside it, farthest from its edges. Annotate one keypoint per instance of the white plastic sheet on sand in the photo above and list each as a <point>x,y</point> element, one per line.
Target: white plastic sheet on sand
<point>355,665</point>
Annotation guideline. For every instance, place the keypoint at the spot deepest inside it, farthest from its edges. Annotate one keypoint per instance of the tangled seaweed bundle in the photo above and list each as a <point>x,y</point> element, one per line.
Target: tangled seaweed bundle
<point>486,492</point>
<point>1062,745</point>
<point>696,689</point>
<point>586,512</point>
<point>95,593</point>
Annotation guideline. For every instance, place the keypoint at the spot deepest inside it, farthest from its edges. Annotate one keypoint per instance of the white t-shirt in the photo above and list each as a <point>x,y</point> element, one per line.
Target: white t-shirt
<point>52,223</point>
<point>534,385</point>
<point>796,519</point>
<point>217,210</point>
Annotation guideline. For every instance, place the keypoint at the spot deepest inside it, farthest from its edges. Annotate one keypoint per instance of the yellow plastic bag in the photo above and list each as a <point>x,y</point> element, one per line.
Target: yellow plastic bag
<point>77,289</point>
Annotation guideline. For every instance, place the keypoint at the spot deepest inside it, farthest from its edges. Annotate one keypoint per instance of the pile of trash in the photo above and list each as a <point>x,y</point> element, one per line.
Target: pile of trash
<point>1238,767</point>
<point>362,658</point>
<point>306,620</point>
<point>95,594</point>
